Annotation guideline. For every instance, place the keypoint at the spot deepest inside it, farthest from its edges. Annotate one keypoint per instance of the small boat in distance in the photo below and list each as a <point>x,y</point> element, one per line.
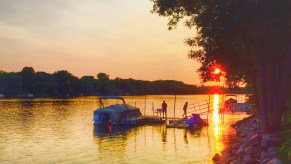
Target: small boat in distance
<point>116,114</point>
<point>232,104</point>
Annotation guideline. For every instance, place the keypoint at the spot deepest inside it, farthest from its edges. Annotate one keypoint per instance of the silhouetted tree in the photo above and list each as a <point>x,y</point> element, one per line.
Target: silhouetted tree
<point>87,85</point>
<point>102,76</point>
<point>62,83</point>
<point>28,80</point>
<point>105,85</point>
<point>45,85</point>
<point>74,86</point>
<point>10,84</point>
<point>251,39</point>
<point>64,80</point>
<point>41,84</point>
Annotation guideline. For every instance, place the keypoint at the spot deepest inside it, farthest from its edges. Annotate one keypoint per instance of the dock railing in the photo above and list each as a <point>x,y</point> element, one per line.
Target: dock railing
<point>199,107</point>
<point>202,108</point>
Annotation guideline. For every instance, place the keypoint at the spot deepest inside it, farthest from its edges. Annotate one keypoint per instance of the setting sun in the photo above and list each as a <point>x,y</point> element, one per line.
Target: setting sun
<point>217,71</point>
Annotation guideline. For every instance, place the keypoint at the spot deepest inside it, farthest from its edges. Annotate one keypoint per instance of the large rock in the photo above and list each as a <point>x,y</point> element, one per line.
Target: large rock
<point>239,151</point>
<point>255,137</point>
<point>273,149</point>
<point>256,143</point>
<point>216,157</point>
<point>273,141</point>
<point>235,145</point>
<point>274,161</point>
<point>266,160</point>
<point>237,161</point>
<point>248,159</point>
<point>268,154</point>
<point>243,134</point>
<point>249,149</point>
<point>225,151</point>
<point>230,159</point>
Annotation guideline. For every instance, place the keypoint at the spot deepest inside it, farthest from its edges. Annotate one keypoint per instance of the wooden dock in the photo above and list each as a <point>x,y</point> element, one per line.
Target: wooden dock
<point>202,108</point>
<point>170,122</point>
<point>159,120</point>
<point>153,120</point>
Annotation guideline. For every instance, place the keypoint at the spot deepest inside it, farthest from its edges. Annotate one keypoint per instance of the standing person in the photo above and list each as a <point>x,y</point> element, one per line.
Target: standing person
<point>164,108</point>
<point>185,109</point>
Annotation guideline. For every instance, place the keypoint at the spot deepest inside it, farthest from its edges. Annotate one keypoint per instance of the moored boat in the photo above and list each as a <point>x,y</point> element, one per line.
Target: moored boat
<point>232,105</point>
<point>116,114</point>
<point>194,122</point>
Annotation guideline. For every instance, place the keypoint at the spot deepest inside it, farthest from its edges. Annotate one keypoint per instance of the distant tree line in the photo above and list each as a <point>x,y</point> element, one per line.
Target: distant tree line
<point>62,83</point>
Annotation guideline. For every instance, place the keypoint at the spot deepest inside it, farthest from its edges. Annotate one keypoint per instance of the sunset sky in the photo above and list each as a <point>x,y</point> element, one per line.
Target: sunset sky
<point>118,37</point>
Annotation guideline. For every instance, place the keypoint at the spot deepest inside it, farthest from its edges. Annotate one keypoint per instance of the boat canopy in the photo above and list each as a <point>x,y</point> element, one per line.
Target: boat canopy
<point>115,111</point>
<point>110,97</point>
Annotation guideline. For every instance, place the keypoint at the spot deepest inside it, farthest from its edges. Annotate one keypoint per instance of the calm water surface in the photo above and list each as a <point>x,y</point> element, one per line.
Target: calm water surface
<point>62,131</point>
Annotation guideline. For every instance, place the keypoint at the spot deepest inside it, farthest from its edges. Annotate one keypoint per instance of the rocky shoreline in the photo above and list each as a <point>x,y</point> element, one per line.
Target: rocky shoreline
<point>253,147</point>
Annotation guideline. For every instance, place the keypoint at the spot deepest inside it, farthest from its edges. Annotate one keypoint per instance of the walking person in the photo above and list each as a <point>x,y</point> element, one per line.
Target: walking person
<point>164,108</point>
<point>185,110</point>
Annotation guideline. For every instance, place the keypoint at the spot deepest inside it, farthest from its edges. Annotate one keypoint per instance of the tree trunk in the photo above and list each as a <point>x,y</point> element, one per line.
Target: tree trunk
<point>262,86</point>
<point>255,90</point>
<point>282,88</point>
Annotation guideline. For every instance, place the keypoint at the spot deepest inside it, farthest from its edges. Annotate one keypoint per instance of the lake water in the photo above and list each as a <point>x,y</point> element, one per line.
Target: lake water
<point>62,131</point>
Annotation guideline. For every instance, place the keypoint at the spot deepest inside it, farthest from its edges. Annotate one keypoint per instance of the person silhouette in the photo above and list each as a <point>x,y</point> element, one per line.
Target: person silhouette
<point>164,108</point>
<point>185,110</point>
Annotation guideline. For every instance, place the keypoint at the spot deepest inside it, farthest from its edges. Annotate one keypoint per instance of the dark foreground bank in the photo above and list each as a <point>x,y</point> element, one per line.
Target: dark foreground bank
<point>253,146</point>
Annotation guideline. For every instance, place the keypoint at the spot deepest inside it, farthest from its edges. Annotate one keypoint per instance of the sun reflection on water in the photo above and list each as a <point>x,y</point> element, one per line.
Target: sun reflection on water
<point>216,125</point>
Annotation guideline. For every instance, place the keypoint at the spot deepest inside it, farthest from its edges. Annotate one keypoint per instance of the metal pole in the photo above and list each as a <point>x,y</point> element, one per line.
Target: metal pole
<point>153,108</point>
<point>145,104</point>
<point>175,108</point>
<point>208,111</point>
<point>222,89</point>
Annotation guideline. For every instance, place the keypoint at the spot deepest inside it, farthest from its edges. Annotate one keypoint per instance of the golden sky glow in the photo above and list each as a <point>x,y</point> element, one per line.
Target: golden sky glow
<point>118,37</point>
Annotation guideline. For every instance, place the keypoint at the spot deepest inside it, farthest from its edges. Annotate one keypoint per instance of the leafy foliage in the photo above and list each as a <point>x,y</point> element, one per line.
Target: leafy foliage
<point>251,39</point>
<point>228,31</point>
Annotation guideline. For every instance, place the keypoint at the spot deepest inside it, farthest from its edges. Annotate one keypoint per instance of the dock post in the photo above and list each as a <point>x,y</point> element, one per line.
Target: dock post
<point>145,104</point>
<point>208,110</point>
<point>223,117</point>
<point>153,108</point>
<point>175,108</point>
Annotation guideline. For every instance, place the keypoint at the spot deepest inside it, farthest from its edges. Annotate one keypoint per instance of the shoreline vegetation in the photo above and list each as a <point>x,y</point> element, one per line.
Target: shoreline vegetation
<point>61,84</point>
